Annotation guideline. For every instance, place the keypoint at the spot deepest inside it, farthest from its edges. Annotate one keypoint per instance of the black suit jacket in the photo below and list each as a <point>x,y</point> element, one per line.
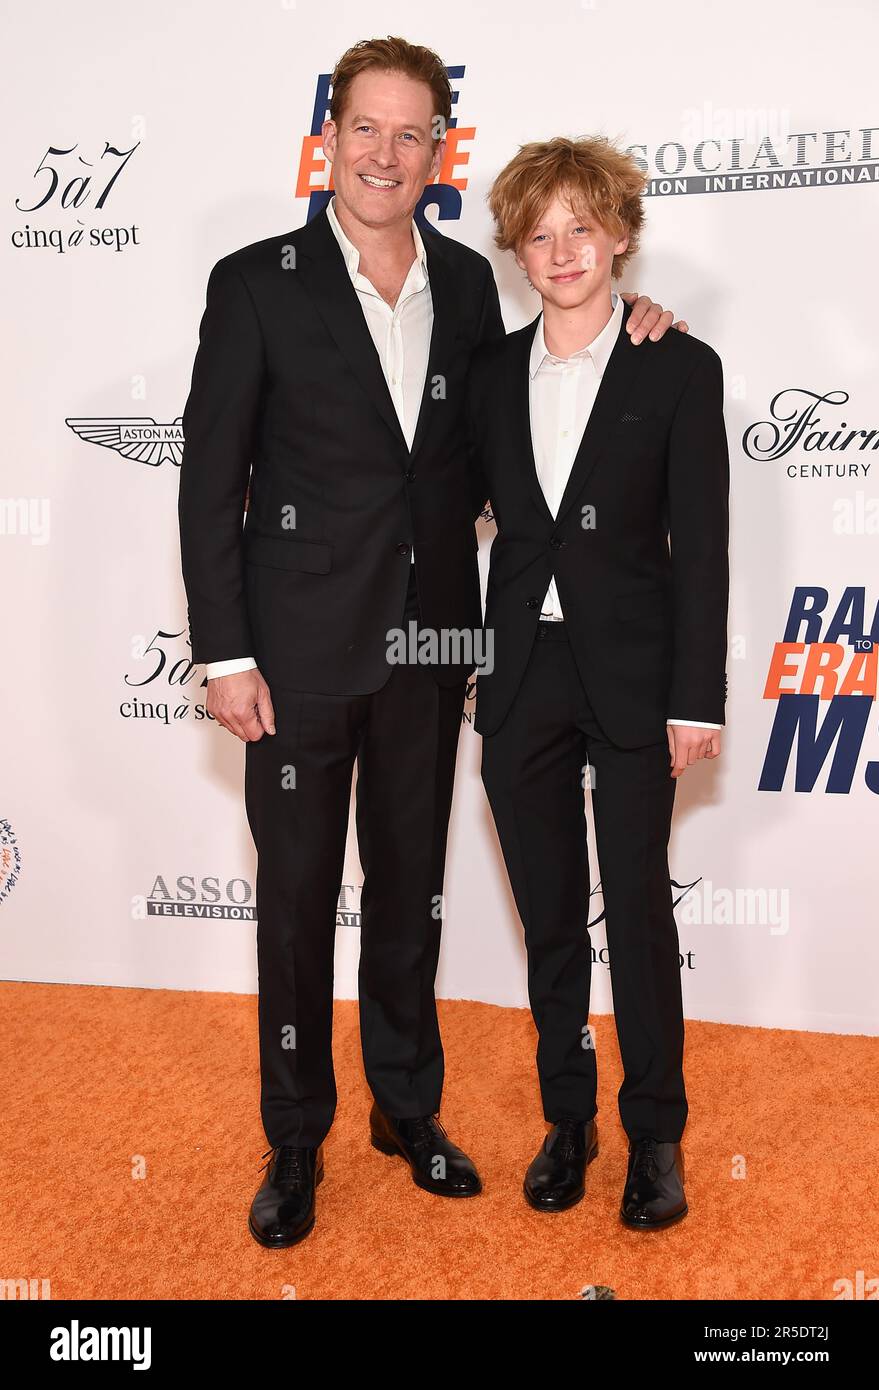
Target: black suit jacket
<point>287,382</point>
<point>645,592</point>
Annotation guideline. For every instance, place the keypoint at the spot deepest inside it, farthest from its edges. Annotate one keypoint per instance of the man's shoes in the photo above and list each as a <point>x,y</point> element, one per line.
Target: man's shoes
<point>437,1164</point>
<point>654,1193</point>
<point>282,1212</point>
<point>556,1179</point>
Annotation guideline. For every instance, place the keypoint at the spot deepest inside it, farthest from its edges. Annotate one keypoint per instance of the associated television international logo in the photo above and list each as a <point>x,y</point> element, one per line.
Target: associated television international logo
<point>822,674</point>
<point>233,900</point>
<point>207,898</point>
<point>745,150</point>
<point>315,177</point>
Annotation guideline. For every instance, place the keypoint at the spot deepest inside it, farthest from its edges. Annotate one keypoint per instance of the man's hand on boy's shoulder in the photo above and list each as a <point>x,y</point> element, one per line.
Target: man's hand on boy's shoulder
<point>649,320</point>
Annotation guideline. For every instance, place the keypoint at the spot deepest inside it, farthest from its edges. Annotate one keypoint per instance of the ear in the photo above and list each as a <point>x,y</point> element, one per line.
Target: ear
<point>621,246</point>
<point>437,159</point>
<point>328,135</point>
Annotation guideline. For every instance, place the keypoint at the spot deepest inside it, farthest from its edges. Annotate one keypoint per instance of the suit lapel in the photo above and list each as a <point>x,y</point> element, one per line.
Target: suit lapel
<point>325,277</point>
<point>444,297</point>
<point>521,409</point>
<point>327,281</point>
<point>619,377</point>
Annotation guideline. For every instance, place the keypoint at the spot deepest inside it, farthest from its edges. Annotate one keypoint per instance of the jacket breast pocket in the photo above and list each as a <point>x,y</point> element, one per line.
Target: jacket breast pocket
<point>641,433</point>
<point>310,557</point>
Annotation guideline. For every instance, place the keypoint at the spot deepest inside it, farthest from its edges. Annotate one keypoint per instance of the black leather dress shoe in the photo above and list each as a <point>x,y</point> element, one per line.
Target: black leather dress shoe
<point>556,1179</point>
<point>437,1164</point>
<point>654,1193</point>
<point>282,1212</point>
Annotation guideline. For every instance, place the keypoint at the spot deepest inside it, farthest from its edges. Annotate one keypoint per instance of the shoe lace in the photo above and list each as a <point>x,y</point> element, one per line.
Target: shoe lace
<point>566,1142</point>
<point>423,1130</point>
<point>288,1163</point>
<point>646,1159</point>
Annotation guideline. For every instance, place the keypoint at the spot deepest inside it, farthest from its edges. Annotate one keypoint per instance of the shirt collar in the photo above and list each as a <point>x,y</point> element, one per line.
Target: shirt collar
<point>599,349</point>
<point>352,255</point>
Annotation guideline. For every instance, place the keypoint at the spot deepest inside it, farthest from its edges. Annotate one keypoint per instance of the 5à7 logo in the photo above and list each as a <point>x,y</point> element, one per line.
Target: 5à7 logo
<point>78,189</point>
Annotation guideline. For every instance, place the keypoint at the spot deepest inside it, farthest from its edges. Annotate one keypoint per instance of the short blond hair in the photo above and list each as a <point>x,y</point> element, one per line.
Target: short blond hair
<point>393,55</point>
<point>592,174</point>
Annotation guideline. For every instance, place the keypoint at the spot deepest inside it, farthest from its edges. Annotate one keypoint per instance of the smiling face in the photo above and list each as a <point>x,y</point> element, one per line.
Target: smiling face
<point>381,148</point>
<point>569,258</point>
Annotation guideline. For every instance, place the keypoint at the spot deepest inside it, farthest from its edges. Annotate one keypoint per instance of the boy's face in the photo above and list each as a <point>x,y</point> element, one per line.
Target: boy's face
<point>382,149</point>
<point>568,258</point>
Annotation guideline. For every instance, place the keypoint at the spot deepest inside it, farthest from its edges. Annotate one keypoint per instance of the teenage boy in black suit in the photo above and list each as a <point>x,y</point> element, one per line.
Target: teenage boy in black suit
<point>608,475</point>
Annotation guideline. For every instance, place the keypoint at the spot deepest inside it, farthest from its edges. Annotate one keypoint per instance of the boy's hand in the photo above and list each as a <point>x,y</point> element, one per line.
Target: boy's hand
<point>687,744</point>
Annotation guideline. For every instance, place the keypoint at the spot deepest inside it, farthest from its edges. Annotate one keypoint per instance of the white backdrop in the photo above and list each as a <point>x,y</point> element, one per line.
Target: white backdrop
<point>125,856</point>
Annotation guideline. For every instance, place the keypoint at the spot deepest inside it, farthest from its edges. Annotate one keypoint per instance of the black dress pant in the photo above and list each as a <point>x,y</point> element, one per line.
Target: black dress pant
<point>533,769</point>
<point>403,739</point>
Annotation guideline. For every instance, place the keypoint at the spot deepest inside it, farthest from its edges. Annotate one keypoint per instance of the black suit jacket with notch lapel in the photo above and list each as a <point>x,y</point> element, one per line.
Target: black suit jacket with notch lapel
<point>287,382</point>
<point>644,593</point>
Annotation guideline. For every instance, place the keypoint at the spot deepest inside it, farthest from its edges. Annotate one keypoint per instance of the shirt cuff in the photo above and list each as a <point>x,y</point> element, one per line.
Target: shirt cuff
<point>228,668</point>
<point>695,723</point>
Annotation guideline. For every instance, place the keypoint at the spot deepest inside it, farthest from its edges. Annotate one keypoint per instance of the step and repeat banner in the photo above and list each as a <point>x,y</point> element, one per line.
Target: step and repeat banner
<point>144,143</point>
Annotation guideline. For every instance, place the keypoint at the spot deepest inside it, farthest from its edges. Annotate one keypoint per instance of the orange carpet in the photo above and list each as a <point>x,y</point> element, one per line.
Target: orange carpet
<point>102,1083</point>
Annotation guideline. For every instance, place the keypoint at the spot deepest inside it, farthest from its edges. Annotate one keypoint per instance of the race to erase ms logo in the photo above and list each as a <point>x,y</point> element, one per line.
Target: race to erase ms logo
<point>315,177</point>
<point>822,674</point>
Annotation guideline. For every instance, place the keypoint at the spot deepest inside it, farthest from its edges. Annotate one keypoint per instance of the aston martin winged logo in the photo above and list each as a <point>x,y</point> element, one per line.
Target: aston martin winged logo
<point>143,440</point>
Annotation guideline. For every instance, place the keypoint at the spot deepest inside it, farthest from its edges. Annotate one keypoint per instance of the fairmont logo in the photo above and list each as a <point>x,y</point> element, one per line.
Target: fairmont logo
<point>75,1343</point>
<point>806,421</point>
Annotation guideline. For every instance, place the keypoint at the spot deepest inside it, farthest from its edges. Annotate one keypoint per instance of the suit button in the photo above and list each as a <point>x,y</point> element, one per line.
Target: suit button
<point>532,603</point>
<point>555,542</point>
<point>410,475</point>
<point>403,548</point>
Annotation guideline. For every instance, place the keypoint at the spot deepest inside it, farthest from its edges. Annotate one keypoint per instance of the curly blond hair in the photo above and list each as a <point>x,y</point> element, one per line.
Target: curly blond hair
<point>591,174</point>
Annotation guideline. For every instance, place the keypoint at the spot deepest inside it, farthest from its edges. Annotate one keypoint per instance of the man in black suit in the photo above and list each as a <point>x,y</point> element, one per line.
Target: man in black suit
<point>609,648</point>
<point>333,361</point>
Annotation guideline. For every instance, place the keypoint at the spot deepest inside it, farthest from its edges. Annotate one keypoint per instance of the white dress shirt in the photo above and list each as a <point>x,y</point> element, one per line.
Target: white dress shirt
<point>562,392</point>
<point>402,340</point>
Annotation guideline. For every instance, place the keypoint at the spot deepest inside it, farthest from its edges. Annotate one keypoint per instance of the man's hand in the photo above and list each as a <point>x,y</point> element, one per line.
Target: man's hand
<point>242,704</point>
<point>648,319</point>
<point>687,744</point>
